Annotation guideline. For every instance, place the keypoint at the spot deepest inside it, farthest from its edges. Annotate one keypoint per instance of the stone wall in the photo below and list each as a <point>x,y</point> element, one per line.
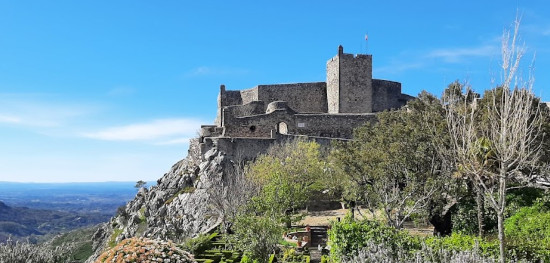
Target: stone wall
<point>386,95</point>
<point>249,95</point>
<point>249,109</point>
<point>258,126</point>
<point>330,125</point>
<point>246,149</point>
<point>231,97</point>
<point>349,83</point>
<point>301,97</point>
<point>321,124</point>
<point>355,84</point>
<point>333,83</point>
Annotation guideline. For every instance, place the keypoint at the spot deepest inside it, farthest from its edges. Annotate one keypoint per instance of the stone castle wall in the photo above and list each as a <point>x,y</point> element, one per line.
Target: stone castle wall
<point>301,97</point>
<point>386,95</point>
<point>333,82</point>
<point>355,84</point>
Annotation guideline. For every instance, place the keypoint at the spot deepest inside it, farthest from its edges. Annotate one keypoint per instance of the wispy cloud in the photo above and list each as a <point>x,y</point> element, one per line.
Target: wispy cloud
<point>160,132</point>
<point>455,55</point>
<point>183,140</point>
<point>9,119</point>
<point>215,71</point>
<point>33,110</point>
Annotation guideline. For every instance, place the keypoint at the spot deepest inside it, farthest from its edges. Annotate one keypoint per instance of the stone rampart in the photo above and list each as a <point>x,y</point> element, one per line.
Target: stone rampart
<point>301,97</point>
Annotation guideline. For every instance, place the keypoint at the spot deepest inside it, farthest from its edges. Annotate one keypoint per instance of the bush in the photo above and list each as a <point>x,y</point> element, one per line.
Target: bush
<point>528,239</point>
<point>528,232</point>
<point>145,250</point>
<point>463,243</point>
<point>199,244</point>
<point>465,218</point>
<point>382,253</point>
<point>23,252</point>
<point>346,238</point>
<point>247,259</point>
<point>256,236</point>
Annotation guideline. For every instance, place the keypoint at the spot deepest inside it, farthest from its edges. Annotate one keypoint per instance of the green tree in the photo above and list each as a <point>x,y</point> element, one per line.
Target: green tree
<point>257,236</point>
<point>288,175</point>
<point>392,165</point>
<point>140,184</point>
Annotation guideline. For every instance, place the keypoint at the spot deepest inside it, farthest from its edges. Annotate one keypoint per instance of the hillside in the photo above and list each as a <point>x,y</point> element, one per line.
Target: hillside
<point>178,207</point>
<point>21,222</point>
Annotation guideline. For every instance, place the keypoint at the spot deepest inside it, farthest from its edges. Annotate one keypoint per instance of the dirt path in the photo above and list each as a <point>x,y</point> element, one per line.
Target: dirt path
<point>323,218</point>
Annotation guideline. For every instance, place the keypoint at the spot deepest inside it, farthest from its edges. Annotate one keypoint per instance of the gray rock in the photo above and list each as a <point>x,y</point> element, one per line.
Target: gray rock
<point>176,208</point>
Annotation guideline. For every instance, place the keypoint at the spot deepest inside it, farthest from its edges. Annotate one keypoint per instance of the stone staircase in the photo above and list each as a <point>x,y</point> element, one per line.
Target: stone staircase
<point>318,237</point>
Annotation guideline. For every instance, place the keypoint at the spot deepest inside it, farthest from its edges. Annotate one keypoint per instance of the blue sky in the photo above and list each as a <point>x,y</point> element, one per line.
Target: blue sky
<point>113,90</point>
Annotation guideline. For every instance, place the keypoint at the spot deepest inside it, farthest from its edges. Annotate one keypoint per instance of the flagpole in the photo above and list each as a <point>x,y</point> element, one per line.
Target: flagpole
<point>366,43</point>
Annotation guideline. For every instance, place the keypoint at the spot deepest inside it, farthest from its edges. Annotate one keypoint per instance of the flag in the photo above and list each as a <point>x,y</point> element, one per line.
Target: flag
<point>366,37</point>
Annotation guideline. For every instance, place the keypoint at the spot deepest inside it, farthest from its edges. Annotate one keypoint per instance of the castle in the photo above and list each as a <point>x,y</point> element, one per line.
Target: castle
<point>332,109</point>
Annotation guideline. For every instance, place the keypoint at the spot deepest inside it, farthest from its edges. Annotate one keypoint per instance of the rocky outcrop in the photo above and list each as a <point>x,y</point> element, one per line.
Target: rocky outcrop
<point>176,208</point>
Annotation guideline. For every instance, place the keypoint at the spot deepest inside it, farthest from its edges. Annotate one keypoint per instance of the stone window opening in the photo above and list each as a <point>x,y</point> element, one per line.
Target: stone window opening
<point>252,128</point>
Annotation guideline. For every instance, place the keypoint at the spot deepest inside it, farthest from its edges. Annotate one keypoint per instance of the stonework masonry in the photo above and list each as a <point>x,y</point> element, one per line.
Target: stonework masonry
<point>252,119</point>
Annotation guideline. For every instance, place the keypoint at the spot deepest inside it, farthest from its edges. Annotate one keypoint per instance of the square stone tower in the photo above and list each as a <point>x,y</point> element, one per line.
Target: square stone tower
<point>349,83</point>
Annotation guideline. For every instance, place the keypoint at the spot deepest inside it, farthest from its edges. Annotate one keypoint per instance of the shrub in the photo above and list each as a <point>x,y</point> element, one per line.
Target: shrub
<point>116,233</point>
<point>145,250</point>
<point>528,232</point>
<point>199,244</point>
<point>346,238</point>
<point>247,259</point>
<point>256,236</point>
<point>465,218</point>
<point>457,242</point>
<point>382,253</point>
<point>23,252</point>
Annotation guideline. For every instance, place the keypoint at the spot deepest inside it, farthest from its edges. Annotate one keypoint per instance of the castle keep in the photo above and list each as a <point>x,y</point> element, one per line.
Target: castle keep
<point>332,109</point>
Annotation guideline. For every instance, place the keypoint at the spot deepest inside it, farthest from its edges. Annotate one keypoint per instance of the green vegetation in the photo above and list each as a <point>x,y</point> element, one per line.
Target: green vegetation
<point>80,240</point>
<point>142,217</point>
<point>288,176</point>
<point>22,252</point>
<point>528,231</point>
<point>112,240</point>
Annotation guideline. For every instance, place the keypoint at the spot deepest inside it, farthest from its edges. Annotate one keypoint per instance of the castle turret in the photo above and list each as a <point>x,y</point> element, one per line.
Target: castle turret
<point>349,83</point>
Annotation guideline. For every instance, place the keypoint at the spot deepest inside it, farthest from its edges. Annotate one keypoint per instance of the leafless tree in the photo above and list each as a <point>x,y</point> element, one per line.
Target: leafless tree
<point>504,146</point>
<point>229,195</point>
<point>467,153</point>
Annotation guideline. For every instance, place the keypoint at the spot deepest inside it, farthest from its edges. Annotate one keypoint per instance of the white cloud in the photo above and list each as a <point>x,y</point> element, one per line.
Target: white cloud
<point>162,131</point>
<point>213,71</point>
<point>33,110</point>
<point>184,140</point>
<point>9,119</point>
<point>454,55</point>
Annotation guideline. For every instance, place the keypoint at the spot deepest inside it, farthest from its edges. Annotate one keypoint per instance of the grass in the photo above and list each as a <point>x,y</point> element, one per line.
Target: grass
<point>112,240</point>
<point>81,239</point>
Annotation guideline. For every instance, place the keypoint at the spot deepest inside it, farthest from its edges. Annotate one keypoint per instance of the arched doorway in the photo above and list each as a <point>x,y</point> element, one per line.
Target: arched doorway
<point>282,128</point>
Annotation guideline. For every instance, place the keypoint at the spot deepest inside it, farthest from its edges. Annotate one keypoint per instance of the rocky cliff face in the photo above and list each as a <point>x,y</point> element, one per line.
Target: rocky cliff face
<point>176,208</point>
